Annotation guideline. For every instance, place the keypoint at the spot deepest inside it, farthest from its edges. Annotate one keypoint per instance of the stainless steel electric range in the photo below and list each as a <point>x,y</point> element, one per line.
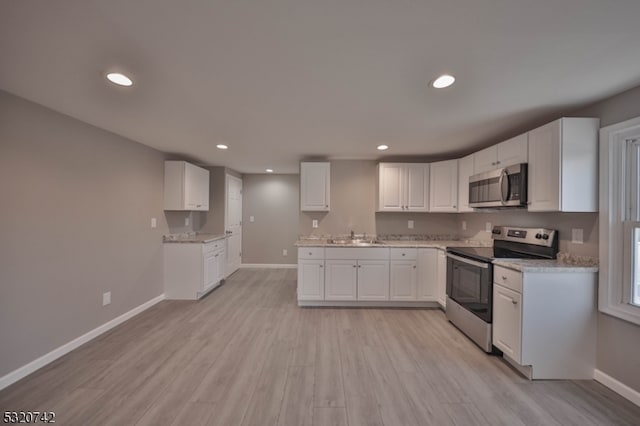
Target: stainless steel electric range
<point>470,276</point>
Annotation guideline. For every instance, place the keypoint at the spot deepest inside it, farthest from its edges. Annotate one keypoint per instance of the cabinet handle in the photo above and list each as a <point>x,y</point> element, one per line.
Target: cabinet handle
<point>498,162</point>
<point>310,253</point>
<point>403,254</point>
<point>515,302</point>
<point>454,206</point>
<point>504,278</point>
<point>493,163</point>
<point>414,266</point>
<point>359,266</point>
<point>327,206</point>
<point>354,266</point>
<point>322,266</point>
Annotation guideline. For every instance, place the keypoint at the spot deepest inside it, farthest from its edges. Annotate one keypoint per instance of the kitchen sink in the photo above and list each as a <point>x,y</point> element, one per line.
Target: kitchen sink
<point>353,242</point>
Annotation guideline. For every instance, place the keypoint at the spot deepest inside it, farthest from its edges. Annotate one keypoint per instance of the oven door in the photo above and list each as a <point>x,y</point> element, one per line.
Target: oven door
<point>469,283</point>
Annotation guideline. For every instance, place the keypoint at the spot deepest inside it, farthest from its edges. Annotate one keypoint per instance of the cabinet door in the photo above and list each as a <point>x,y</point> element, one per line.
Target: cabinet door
<point>221,262</point>
<point>373,280</point>
<point>428,274</point>
<point>442,278</point>
<point>341,280</point>
<point>404,279</point>
<point>416,187</point>
<point>315,181</point>
<point>443,193</point>
<point>390,187</point>
<point>196,187</point>
<point>507,321</point>
<point>513,151</point>
<point>210,272</point>
<point>310,279</point>
<point>544,168</point>
<point>485,160</point>
<point>465,169</point>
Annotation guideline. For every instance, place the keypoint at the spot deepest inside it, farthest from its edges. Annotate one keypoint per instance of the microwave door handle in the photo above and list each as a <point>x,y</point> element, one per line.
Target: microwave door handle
<point>503,194</point>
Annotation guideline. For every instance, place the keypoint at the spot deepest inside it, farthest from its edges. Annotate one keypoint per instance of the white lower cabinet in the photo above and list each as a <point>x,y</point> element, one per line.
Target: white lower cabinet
<point>192,269</point>
<point>310,279</point>
<point>373,280</point>
<point>404,274</point>
<point>428,274</point>
<point>507,321</point>
<point>311,273</point>
<point>350,275</point>
<point>341,280</point>
<point>545,322</point>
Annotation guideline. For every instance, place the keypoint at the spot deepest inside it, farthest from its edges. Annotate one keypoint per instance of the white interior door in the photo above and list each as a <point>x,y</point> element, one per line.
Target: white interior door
<point>233,224</point>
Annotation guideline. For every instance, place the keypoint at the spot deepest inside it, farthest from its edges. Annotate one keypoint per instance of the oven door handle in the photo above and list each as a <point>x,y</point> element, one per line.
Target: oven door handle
<point>469,261</point>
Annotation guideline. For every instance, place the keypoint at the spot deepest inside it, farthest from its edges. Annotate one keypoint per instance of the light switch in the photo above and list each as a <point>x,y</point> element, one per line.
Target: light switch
<point>106,298</point>
<point>284,252</point>
<point>314,223</point>
<point>577,236</point>
<point>410,224</point>
<point>252,219</point>
<point>186,221</point>
<point>464,225</point>
<point>154,222</point>
<point>487,226</point>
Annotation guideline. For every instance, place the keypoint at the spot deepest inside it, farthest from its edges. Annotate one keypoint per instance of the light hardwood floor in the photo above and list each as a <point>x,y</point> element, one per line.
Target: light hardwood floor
<point>247,355</point>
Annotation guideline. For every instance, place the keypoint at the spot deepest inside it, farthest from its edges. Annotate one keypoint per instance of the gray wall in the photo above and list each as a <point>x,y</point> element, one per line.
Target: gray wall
<point>76,208</point>
<point>618,340</point>
<point>273,202</point>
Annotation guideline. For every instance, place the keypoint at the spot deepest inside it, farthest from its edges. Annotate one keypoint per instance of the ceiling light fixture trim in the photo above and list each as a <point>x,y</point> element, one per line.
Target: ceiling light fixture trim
<point>119,79</point>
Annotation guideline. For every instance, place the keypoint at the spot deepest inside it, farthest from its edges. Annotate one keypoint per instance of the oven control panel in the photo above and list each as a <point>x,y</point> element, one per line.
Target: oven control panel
<point>536,236</point>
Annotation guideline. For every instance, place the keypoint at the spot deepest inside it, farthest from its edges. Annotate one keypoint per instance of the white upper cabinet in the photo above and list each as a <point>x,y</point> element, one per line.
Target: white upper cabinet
<point>186,187</point>
<point>443,192</point>
<point>403,187</point>
<point>465,169</point>
<point>315,184</point>
<point>507,153</point>
<point>563,166</point>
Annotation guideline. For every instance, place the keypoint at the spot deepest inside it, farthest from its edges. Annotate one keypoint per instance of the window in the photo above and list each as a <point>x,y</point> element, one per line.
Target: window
<point>620,220</point>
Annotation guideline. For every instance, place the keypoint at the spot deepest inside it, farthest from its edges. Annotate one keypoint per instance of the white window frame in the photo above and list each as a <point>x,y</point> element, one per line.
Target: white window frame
<point>616,208</point>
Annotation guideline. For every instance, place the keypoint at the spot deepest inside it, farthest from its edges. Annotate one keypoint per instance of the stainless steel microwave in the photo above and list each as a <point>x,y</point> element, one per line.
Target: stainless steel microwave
<point>505,187</point>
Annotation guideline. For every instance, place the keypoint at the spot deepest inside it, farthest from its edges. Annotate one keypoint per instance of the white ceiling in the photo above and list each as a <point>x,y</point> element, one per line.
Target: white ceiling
<point>279,80</point>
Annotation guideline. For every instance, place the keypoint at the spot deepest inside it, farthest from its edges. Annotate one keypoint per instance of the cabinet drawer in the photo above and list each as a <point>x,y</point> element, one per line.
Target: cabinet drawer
<point>212,246</point>
<point>404,253</point>
<point>310,252</point>
<point>508,278</point>
<point>364,253</point>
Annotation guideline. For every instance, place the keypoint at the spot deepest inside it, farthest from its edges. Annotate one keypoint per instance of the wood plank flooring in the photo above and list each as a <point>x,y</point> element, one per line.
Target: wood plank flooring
<point>247,355</point>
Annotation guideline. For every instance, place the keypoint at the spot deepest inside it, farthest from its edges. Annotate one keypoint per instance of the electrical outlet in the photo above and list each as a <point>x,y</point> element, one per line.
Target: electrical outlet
<point>577,236</point>
<point>410,224</point>
<point>284,252</point>
<point>314,223</point>
<point>154,222</point>
<point>488,227</point>
<point>464,225</point>
<point>106,298</point>
<point>252,219</point>
<point>186,221</point>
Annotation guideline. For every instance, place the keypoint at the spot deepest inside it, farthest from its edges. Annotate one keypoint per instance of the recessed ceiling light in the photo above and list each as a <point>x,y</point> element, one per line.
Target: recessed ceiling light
<point>221,146</point>
<point>119,79</point>
<point>269,170</point>
<point>383,147</point>
<point>443,81</point>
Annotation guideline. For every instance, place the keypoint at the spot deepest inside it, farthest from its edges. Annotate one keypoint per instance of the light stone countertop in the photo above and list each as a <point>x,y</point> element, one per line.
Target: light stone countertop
<point>192,237</point>
<point>542,265</point>
<point>439,244</point>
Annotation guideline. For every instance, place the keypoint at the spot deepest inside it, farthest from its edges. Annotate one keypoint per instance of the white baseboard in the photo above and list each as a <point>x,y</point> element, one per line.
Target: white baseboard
<point>617,386</point>
<point>45,359</point>
<point>269,265</point>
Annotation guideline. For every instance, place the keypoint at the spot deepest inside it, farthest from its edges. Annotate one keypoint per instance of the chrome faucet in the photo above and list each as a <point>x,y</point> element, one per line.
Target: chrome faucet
<point>352,234</point>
